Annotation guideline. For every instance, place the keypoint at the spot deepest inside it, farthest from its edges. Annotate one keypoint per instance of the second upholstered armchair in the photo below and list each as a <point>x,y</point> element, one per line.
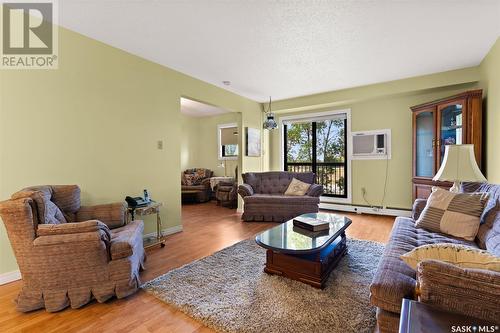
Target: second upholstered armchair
<point>68,253</point>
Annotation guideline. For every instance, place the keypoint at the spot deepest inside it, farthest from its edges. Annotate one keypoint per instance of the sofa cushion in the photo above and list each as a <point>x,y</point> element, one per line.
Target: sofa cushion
<point>394,279</point>
<point>195,176</point>
<point>67,198</point>
<point>456,254</point>
<point>456,214</point>
<point>275,182</point>
<point>281,199</point>
<point>125,239</point>
<point>297,187</point>
<point>488,236</point>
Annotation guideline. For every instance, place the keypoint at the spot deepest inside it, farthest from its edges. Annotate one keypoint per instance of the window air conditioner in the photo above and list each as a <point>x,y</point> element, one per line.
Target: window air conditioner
<point>371,145</point>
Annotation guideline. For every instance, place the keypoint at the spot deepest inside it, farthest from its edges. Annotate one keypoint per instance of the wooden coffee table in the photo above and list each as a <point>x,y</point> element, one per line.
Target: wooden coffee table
<point>302,255</point>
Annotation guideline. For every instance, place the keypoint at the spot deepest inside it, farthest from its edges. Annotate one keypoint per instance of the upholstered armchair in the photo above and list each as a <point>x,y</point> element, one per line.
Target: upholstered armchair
<point>264,198</point>
<point>68,253</point>
<point>195,184</point>
<point>226,192</point>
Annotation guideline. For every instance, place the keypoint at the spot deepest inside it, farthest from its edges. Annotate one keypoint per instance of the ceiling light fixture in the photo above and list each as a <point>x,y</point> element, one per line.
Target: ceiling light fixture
<point>269,123</point>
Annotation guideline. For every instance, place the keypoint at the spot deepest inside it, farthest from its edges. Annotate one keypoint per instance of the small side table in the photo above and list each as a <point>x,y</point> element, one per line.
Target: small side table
<point>214,181</point>
<point>417,317</point>
<point>152,208</point>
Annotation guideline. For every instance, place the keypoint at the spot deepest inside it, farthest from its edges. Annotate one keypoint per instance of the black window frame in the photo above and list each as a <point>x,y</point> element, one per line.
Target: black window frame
<point>314,164</point>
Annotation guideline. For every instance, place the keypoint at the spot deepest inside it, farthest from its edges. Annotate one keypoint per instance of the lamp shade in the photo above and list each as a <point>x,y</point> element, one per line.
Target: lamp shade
<point>459,164</point>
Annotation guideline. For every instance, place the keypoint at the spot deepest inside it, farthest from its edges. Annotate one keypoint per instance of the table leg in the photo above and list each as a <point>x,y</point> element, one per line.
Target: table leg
<point>158,230</point>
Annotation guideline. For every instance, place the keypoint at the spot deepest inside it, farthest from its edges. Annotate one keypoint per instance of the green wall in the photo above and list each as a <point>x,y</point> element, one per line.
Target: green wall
<point>96,121</point>
<point>379,106</point>
<point>199,147</point>
<point>490,82</point>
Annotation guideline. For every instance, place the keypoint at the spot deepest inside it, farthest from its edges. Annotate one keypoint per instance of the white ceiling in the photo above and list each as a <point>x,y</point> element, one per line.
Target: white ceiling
<point>293,48</point>
<point>196,109</point>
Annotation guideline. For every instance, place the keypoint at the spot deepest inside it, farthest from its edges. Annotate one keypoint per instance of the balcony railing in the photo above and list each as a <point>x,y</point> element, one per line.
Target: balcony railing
<point>330,175</point>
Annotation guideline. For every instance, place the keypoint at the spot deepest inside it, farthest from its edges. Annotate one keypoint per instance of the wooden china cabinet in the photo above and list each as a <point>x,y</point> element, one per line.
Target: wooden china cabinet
<point>453,120</point>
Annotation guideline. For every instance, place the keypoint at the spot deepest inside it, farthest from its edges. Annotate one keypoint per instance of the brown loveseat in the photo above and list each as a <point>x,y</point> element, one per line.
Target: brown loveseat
<point>69,254</point>
<point>263,195</point>
<point>470,292</point>
<point>195,184</point>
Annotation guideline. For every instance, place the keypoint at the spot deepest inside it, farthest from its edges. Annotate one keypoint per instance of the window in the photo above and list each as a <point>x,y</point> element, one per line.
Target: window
<point>228,141</point>
<point>320,146</point>
<point>230,150</point>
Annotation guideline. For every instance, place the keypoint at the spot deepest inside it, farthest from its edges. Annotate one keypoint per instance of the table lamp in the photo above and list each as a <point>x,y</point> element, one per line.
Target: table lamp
<point>459,165</point>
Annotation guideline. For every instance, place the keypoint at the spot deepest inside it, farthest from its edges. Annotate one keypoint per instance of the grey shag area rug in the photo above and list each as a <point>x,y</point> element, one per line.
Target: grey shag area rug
<point>229,292</point>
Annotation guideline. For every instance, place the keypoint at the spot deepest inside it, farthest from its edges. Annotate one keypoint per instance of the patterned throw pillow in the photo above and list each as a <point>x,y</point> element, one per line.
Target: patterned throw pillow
<point>455,254</point>
<point>297,187</point>
<point>455,214</point>
<point>189,179</point>
<point>199,175</point>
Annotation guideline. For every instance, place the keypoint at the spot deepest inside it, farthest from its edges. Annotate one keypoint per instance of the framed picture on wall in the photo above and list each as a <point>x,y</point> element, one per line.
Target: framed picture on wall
<point>253,147</point>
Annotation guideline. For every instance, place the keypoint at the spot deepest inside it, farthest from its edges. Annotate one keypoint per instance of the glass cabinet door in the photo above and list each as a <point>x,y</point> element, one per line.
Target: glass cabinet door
<point>450,127</point>
<point>424,144</point>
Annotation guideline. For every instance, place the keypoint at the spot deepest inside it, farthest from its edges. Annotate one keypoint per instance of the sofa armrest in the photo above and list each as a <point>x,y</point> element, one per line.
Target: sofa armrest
<point>471,292</point>
<point>315,190</point>
<point>418,207</point>
<point>245,190</point>
<point>71,228</point>
<point>113,215</point>
<point>126,240</point>
<point>73,239</point>
<point>206,182</point>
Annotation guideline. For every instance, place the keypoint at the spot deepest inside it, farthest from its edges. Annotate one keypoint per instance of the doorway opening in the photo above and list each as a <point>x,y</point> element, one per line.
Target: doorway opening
<point>210,155</point>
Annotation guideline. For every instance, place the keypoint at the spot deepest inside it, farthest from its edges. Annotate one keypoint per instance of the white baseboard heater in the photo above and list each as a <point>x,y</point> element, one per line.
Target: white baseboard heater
<point>360,209</point>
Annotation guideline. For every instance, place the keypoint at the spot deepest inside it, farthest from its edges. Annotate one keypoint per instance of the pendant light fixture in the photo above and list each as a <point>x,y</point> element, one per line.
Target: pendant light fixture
<point>269,123</point>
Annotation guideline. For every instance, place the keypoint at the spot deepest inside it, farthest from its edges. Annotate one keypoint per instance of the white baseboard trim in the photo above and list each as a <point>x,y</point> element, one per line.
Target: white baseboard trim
<point>165,232</point>
<point>366,210</point>
<point>10,277</point>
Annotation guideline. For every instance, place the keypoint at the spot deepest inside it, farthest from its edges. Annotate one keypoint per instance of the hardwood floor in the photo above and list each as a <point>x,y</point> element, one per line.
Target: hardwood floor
<point>207,229</point>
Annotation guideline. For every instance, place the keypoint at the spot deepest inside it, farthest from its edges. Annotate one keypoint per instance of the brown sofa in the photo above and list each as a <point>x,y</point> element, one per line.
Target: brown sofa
<point>200,190</point>
<point>263,195</point>
<point>68,253</point>
<point>470,292</point>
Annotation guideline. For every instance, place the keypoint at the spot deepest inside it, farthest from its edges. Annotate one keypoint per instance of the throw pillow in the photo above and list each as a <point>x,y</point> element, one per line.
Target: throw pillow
<point>199,175</point>
<point>53,214</point>
<point>455,254</point>
<point>189,179</point>
<point>297,187</point>
<point>455,214</point>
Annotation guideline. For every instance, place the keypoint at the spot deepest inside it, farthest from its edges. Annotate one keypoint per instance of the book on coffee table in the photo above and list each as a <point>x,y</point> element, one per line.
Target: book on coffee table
<point>310,223</point>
